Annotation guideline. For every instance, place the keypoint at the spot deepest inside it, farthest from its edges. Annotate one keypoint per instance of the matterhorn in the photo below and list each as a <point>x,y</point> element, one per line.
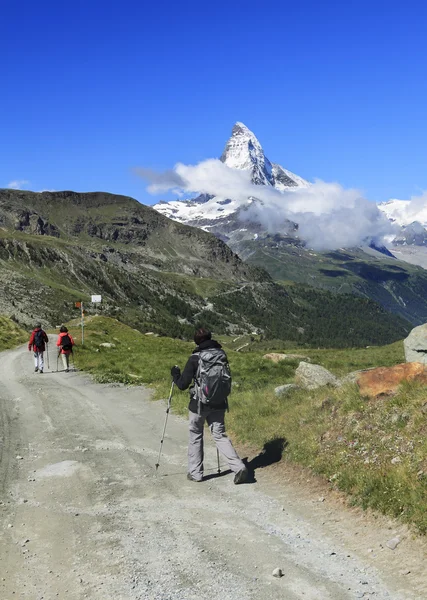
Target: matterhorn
<point>220,216</point>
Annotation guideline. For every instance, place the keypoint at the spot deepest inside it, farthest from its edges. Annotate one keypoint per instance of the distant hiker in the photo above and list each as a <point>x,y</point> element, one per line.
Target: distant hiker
<point>65,344</point>
<point>37,344</point>
<point>208,368</point>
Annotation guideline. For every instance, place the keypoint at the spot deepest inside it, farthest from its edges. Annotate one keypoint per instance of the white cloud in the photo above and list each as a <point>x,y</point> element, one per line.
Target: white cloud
<point>17,184</point>
<point>329,216</point>
<point>416,208</point>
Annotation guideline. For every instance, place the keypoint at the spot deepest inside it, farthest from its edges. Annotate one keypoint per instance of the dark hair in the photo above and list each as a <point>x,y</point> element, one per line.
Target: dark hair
<point>63,329</point>
<point>202,335</point>
<point>38,325</point>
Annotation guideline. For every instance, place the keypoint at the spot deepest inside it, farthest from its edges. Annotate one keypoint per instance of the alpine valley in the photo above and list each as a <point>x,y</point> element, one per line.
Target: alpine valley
<point>165,277</point>
<point>382,274</point>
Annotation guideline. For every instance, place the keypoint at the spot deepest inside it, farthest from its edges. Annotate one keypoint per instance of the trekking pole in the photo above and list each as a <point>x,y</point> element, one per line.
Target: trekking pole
<point>57,358</point>
<point>164,428</point>
<point>217,456</point>
<point>47,350</point>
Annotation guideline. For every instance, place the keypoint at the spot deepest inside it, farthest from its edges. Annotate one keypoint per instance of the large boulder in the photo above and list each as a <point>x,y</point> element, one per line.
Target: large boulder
<point>386,380</point>
<point>416,345</point>
<point>284,390</point>
<point>311,377</point>
<point>276,357</point>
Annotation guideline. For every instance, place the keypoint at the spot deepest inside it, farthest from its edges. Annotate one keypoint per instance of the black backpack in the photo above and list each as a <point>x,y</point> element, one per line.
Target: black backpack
<point>213,379</point>
<point>66,342</point>
<point>39,339</point>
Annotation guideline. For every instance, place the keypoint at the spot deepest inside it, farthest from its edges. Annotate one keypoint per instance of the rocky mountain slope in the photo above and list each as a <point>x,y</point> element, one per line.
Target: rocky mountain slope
<point>157,275</point>
<point>369,272</point>
<point>56,248</point>
<point>410,244</point>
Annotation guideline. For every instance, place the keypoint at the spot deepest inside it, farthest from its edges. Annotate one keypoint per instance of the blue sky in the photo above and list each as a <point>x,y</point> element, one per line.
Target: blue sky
<point>91,89</point>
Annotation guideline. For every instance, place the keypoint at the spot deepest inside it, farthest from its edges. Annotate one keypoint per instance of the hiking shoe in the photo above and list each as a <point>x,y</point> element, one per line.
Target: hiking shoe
<point>241,476</point>
<point>36,369</point>
<point>191,478</point>
<point>41,370</point>
<point>66,370</point>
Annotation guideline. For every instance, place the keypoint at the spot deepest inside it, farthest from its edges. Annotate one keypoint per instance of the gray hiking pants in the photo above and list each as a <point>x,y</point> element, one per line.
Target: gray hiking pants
<point>215,420</point>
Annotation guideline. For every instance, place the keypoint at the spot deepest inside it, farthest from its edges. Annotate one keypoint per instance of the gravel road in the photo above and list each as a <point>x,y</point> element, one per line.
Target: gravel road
<point>83,514</point>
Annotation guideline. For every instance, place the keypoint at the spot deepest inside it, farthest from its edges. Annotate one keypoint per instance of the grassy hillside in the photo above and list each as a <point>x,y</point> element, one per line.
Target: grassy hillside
<point>309,317</point>
<point>397,286</point>
<point>156,275</point>
<point>348,440</point>
<point>11,334</point>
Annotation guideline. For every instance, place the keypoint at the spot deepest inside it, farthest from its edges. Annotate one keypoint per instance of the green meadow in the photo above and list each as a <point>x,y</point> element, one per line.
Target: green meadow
<point>11,334</point>
<point>373,450</point>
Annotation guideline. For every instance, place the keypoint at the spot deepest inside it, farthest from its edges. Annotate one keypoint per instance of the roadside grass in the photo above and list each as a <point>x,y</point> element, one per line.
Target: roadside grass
<point>11,334</point>
<point>339,361</point>
<point>373,450</point>
<point>146,359</point>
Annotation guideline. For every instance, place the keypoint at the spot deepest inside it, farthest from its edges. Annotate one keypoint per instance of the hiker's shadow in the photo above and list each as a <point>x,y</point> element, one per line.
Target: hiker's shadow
<point>272,452</point>
<point>216,475</point>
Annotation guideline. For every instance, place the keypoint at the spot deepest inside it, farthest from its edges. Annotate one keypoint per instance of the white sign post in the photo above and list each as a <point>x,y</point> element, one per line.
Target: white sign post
<point>96,299</point>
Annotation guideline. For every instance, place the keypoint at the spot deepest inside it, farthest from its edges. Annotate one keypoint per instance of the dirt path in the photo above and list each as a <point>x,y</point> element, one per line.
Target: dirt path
<point>82,514</point>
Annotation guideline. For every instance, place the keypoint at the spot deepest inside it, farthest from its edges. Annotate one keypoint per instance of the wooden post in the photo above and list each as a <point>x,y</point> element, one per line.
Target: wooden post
<point>83,323</point>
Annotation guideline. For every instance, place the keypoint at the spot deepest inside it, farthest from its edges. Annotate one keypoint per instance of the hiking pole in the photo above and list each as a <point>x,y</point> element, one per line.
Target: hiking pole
<point>47,350</point>
<point>164,428</point>
<point>217,456</point>
<point>57,358</point>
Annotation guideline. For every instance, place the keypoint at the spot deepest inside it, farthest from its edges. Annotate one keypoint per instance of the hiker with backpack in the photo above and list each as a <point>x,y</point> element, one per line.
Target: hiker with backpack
<point>209,371</point>
<point>37,344</point>
<point>65,344</point>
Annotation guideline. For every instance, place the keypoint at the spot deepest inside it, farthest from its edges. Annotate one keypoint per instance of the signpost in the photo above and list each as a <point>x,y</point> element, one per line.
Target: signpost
<point>80,305</point>
<point>96,299</point>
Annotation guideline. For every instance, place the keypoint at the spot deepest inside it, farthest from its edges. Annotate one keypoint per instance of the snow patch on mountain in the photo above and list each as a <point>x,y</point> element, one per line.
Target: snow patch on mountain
<point>286,180</point>
<point>405,212</point>
<point>194,211</point>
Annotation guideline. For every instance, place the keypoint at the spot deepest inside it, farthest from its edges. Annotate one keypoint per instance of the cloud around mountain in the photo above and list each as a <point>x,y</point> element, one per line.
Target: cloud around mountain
<point>405,212</point>
<point>328,215</point>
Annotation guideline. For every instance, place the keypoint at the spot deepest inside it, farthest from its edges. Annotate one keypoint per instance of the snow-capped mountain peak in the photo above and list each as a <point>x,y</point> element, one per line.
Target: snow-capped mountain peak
<point>411,217</point>
<point>242,151</point>
<point>404,212</point>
